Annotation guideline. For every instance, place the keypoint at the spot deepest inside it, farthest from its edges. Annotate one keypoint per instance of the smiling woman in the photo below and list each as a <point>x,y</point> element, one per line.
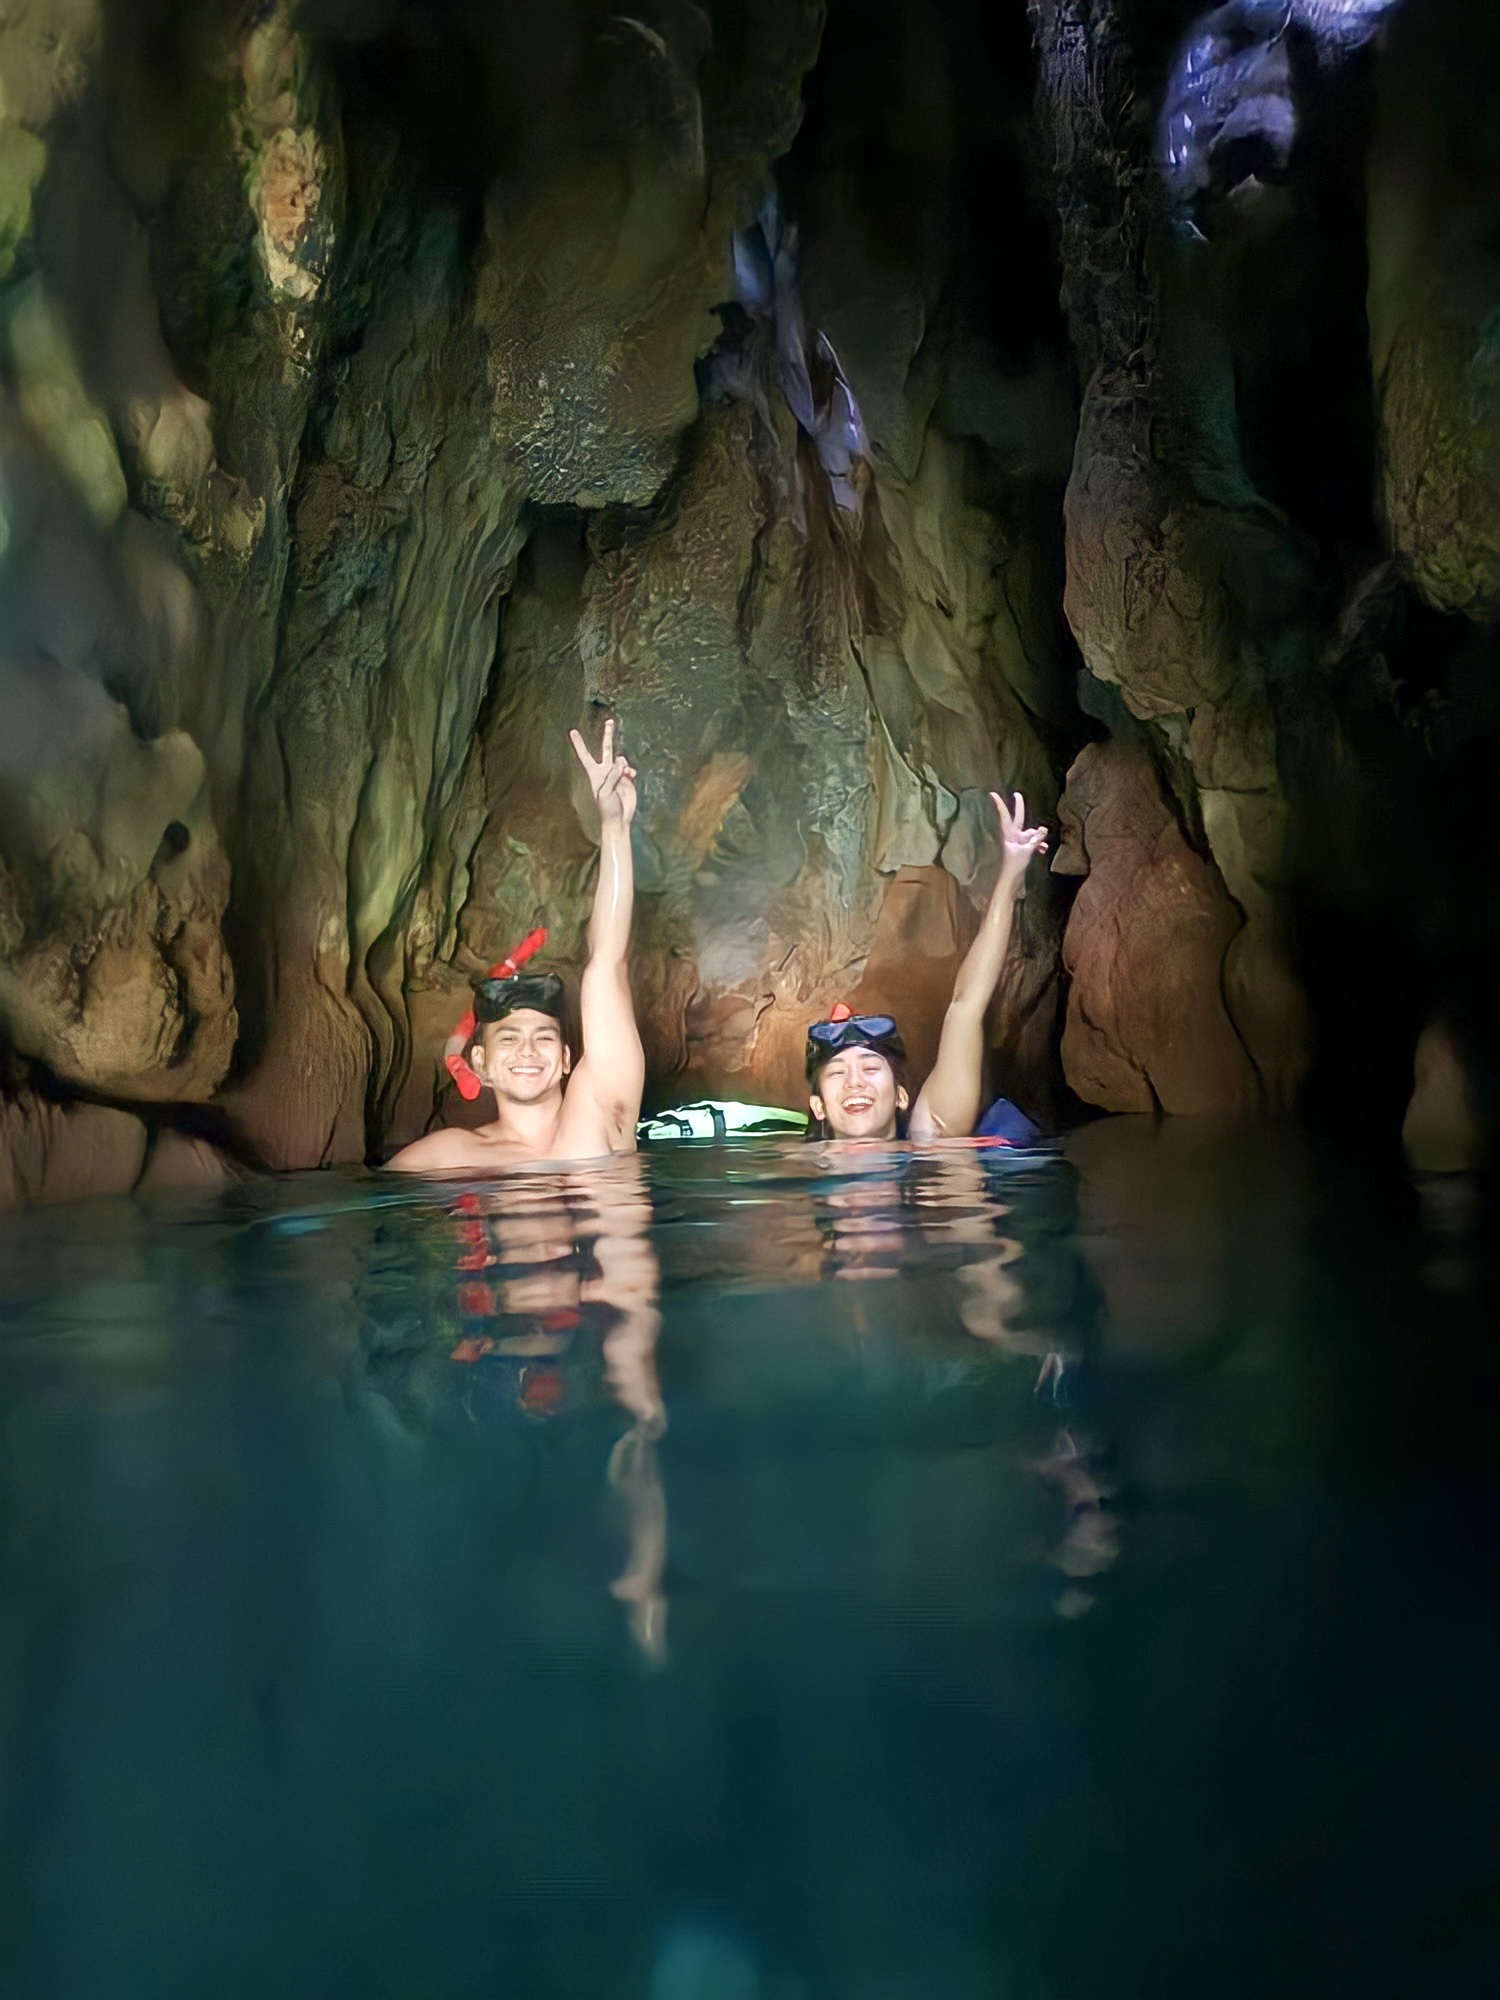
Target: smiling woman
<point>856,1063</point>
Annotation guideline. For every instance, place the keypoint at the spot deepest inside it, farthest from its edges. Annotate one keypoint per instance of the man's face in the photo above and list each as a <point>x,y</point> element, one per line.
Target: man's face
<point>857,1095</point>
<point>521,1058</point>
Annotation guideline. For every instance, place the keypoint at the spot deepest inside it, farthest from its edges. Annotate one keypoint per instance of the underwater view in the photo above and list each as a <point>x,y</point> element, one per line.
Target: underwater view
<point>756,1571</point>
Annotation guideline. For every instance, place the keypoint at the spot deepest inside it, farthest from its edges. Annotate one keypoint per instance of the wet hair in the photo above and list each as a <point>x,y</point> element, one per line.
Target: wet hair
<point>817,1128</point>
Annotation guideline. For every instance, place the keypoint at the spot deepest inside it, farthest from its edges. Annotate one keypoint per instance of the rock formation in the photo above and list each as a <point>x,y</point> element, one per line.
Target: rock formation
<point>386,387</point>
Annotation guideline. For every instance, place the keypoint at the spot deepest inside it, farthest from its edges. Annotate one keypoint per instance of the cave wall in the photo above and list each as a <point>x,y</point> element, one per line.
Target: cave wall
<point>869,405</point>
<point>1276,239</point>
<point>377,406</point>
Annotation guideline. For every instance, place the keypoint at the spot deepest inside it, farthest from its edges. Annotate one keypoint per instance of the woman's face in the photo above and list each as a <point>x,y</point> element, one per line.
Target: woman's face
<point>857,1095</point>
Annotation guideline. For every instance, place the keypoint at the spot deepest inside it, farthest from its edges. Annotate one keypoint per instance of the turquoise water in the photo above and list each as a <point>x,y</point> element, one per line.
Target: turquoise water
<point>751,1572</point>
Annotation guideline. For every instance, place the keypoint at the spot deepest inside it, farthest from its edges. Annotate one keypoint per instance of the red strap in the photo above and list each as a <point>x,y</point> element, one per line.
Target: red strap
<point>468,1083</point>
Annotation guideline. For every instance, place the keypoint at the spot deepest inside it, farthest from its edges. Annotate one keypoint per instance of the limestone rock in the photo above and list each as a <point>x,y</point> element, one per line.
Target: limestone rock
<point>1434,183</point>
<point>1443,1132</point>
<point>180,1164</point>
<point>63,1152</point>
<point>382,395</point>
<point>1145,950</point>
<point>817,714</point>
<point>113,885</point>
<point>1187,589</point>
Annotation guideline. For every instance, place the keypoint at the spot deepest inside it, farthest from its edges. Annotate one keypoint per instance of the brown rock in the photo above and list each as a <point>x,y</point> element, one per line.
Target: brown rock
<point>1442,1132</point>
<point>1434,214</point>
<point>818,714</point>
<point>1145,950</point>
<point>63,1152</point>
<point>112,889</point>
<point>178,1163</point>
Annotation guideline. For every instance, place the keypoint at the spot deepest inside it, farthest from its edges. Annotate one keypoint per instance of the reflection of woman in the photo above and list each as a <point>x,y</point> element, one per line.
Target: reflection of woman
<point>879,1221</point>
<point>879,1216</point>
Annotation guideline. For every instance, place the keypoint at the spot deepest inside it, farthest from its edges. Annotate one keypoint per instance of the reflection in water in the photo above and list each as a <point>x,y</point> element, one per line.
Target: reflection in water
<point>552,1273</point>
<point>334,1541</point>
<point>896,1207</point>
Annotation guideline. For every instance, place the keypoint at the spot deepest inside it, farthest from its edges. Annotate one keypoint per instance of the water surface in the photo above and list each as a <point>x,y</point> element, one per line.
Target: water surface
<point>750,1571</point>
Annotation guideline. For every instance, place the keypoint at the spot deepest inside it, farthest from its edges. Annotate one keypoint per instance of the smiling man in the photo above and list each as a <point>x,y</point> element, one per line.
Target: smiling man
<point>856,1063</point>
<point>518,1049</point>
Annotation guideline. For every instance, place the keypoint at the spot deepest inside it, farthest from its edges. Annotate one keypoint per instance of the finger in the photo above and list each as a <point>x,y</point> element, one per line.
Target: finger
<point>581,750</point>
<point>1000,807</point>
<point>607,754</point>
<point>1020,810</point>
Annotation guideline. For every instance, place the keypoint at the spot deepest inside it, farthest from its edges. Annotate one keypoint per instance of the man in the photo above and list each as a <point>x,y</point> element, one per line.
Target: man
<point>518,1050</point>
<point>856,1063</point>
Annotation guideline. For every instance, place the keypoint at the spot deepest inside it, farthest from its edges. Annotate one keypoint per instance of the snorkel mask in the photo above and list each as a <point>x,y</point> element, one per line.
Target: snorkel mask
<point>499,993</point>
<point>844,1029</point>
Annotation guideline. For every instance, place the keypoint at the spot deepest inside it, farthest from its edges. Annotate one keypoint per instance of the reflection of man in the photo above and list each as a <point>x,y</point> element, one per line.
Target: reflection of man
<point>532,1266</point>
<point>856,1063</point>
<point>519,1050</point>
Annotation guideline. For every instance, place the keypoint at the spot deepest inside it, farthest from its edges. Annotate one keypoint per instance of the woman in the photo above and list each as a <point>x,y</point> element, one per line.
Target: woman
<point>856,1063</point>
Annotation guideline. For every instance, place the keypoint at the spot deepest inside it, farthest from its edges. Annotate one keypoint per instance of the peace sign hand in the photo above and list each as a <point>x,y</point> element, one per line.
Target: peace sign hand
<point>611,779</point>
<point>1018,841</point>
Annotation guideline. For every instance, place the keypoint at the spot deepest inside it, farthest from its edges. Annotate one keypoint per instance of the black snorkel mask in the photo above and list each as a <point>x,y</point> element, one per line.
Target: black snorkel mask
<point>495,998</point>
<point>844,1029</point>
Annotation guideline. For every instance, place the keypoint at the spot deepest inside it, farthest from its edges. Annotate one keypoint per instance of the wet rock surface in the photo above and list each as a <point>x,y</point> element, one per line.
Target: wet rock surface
<point>386,389</point>
<point>1146,950</point>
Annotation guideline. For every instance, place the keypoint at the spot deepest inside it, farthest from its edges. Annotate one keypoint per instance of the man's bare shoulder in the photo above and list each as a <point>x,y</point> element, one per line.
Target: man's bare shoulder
<point>440,1151</point>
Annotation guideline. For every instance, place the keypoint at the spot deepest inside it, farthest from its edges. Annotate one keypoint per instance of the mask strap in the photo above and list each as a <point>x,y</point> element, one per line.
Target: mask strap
<point>462,1038</point>
<point>454,1061</point>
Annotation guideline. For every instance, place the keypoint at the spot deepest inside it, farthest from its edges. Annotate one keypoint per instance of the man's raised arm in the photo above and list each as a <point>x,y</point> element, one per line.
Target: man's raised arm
<point>948,1106</point>
<point>613,1065</point>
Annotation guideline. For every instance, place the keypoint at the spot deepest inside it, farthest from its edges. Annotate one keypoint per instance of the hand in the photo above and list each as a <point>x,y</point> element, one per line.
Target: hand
<point>1018,841</point>
<point>611,779</point>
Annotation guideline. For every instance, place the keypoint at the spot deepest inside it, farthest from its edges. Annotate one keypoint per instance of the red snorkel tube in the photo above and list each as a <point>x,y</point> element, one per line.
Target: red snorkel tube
<point>462,1038</point>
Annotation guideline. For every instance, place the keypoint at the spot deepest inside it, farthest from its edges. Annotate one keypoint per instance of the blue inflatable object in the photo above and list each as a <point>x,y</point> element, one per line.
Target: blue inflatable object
<point>1004,1121</point>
